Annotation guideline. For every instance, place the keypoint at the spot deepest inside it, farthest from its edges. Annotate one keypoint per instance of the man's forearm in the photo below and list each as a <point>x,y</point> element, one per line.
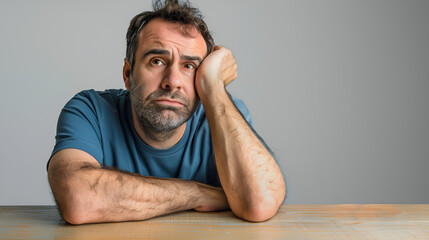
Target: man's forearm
<point>88,195</point>
<point>252,181</point>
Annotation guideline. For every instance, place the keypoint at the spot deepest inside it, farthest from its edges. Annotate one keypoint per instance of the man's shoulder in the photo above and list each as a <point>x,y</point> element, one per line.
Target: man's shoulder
<point>93,98</point>
<point>106,94</point>
<point>98,104</point>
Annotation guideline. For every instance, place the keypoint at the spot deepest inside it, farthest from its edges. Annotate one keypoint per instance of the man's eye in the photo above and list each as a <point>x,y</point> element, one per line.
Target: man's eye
<point>190,66</point>
<point>157,62</point>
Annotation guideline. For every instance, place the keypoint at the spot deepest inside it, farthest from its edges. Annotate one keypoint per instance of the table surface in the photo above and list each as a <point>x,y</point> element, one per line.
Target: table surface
<point>350,221</point>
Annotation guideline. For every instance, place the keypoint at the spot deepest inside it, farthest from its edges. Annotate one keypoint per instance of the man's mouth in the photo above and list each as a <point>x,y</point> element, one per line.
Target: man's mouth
<point>169,102</point>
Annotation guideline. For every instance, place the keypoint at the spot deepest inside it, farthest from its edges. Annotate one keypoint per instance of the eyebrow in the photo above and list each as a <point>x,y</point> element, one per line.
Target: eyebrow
<point>192,58</point>
<point>156,52</point>
<point>166,52</point>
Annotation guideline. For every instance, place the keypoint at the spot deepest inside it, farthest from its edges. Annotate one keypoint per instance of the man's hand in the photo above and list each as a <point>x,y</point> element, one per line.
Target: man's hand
<point>216,71</point>
<point>213,199</point>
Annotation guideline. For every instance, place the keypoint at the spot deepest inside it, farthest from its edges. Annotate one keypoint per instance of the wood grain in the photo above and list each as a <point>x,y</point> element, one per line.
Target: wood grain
<point>292,222</point>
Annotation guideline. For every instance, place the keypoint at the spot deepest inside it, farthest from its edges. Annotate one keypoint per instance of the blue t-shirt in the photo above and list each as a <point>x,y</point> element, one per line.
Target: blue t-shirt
<point>101,124</point>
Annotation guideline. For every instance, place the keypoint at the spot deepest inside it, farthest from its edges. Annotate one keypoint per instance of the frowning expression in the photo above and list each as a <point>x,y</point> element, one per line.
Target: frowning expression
<point>161,83</point>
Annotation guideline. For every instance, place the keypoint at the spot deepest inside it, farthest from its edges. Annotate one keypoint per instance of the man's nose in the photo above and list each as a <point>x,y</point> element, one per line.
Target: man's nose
<point>172,79</point>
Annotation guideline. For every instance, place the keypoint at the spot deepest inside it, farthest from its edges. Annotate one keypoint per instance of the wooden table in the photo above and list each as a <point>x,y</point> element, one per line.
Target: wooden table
<point>292,222</point>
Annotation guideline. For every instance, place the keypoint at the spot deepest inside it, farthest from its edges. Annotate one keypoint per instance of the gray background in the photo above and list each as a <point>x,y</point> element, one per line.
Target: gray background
<point>338,89</point>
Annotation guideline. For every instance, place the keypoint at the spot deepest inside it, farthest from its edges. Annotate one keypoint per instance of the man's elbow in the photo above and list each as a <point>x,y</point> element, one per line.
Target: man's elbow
<point>75,216</point>
<point>73,210</point>
<point>262,209</point>
<point>259,212</point>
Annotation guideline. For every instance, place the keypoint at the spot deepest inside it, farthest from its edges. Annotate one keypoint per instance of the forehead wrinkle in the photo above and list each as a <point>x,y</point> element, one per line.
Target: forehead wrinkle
<point>157,37</point>
<point>171,37</point>
<point>158,48</point>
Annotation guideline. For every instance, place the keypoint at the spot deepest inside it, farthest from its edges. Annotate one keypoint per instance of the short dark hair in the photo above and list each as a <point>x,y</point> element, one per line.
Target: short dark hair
<point>171,11</point>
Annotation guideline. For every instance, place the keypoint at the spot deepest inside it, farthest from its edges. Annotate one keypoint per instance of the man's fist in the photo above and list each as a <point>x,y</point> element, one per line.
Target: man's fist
<point>216,71</point>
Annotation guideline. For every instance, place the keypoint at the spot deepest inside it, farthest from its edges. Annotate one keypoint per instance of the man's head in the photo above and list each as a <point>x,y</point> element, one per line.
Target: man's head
<point>170,11</point>
<point>164,49</point>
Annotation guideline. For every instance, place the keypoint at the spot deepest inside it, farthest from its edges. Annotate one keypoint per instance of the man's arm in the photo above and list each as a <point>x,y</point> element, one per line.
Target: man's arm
<point>250,176</point>
<point>87,193</point>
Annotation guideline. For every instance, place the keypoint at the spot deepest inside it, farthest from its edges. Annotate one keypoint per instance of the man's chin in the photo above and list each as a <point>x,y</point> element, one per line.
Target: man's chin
<point>169,115</point>
<point>166,125</point>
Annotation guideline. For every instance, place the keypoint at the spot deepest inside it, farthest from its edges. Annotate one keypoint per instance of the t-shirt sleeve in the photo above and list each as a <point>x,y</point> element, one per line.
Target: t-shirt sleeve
<point>78,127</point>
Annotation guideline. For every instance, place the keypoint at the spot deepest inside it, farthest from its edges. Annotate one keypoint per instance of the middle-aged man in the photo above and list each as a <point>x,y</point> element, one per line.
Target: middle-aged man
<point>174,140</point>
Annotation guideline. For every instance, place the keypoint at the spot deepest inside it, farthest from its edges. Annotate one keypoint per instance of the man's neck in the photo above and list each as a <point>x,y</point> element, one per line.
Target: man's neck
<point>162,140</point>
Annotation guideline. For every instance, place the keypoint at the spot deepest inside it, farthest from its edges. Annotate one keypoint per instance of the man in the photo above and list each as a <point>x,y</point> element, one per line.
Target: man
<point>175,141</point>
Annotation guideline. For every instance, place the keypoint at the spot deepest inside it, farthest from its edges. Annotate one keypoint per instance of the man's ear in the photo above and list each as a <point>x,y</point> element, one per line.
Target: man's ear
<point>126,73</point>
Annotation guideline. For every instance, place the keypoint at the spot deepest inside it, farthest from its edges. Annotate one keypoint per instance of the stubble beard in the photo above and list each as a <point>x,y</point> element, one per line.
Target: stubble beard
<point>158,121</point>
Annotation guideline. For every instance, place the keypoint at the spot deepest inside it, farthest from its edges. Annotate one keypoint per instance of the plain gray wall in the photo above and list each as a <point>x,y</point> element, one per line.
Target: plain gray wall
<point>339,89</point>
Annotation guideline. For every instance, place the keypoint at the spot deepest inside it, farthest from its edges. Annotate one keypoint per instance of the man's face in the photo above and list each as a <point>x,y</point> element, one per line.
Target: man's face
<point>162,82</point>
